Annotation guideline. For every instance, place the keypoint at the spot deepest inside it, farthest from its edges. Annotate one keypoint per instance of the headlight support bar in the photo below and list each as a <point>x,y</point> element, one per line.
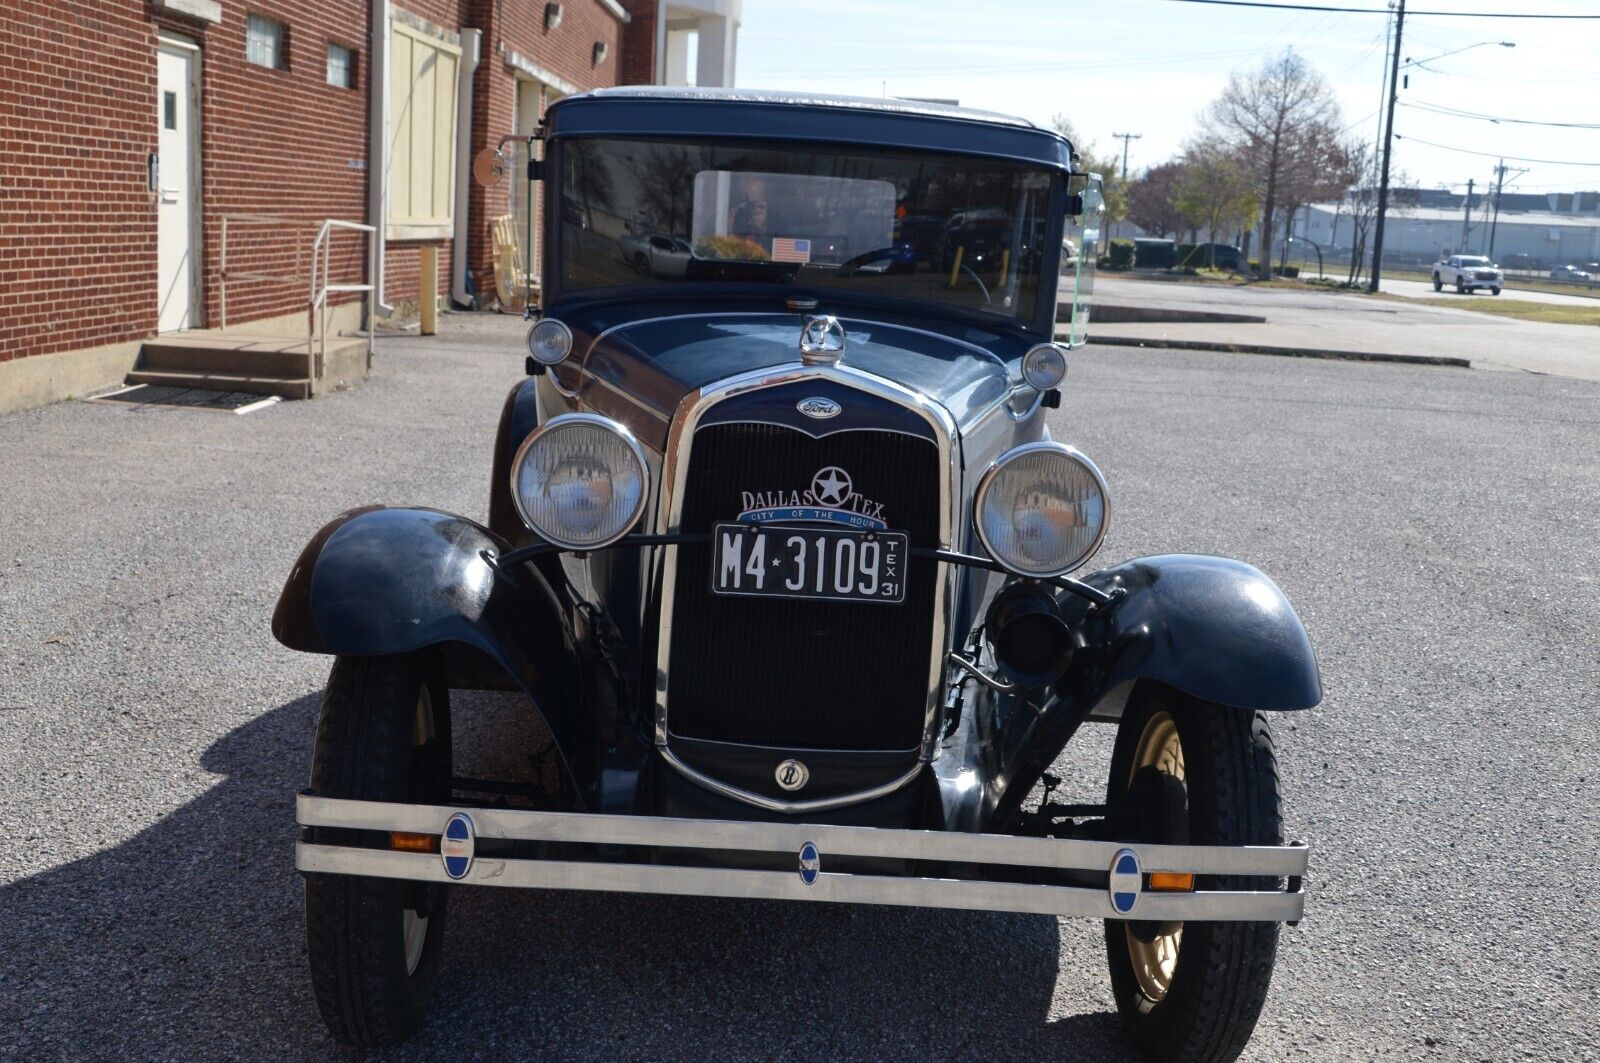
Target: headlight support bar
<point>510,558</point>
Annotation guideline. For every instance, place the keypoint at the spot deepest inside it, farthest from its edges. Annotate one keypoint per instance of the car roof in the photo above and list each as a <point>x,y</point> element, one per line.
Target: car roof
<point>754,114</point>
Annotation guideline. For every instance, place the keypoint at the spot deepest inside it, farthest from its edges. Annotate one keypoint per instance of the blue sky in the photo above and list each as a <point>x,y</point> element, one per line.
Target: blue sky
<point>1150,67</point>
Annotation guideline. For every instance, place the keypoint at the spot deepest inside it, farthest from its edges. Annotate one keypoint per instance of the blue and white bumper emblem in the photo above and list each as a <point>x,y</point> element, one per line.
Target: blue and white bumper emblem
<point>810,863</point>
<point>457,844</point>
<point>1126,882</point>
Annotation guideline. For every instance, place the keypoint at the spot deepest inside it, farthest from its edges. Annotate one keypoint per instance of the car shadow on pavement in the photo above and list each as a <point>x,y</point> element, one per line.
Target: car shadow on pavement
<point>187,939</point>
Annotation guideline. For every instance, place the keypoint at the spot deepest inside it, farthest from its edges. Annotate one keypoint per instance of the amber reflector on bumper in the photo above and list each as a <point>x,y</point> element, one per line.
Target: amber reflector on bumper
<point>1171,880</point>
<point>412,843</point>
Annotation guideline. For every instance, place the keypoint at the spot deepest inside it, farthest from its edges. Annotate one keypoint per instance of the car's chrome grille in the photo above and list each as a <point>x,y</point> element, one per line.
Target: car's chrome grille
<point>792,673</point>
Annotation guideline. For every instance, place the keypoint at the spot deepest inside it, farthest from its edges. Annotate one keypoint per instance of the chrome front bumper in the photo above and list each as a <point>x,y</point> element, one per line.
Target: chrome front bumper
<point>631,862</point>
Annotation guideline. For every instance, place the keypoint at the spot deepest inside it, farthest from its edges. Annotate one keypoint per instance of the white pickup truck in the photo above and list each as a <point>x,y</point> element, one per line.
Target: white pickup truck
<point>1467,272</point>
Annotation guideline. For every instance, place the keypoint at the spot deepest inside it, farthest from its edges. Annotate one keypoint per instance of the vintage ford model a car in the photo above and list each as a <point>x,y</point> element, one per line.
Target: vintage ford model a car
<point>777,550</point>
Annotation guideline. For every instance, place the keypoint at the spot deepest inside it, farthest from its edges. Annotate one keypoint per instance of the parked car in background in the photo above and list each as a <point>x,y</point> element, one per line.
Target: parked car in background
<point>1467,273</point>
<point>1570,273</point>
<point>656,255</point>
<point>1207,255</point>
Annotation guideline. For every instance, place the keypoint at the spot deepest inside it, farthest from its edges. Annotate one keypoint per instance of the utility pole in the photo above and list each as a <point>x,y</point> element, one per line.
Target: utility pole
<point>1125,137</point>
<point>1499,185</point>
<point>1466,219</point>
<point>1388,146</point>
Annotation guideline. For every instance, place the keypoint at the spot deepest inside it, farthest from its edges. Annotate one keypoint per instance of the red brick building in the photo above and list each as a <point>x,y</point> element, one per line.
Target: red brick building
<point>132,134</point>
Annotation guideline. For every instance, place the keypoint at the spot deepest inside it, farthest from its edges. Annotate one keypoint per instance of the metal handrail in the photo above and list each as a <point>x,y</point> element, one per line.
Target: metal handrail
<point>317,293</point>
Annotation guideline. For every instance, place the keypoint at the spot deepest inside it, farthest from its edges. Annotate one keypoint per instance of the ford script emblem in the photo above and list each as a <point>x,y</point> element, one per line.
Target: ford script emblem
<point>1126,881</point>
<point>819,407</point>
<point>810,863</point>
<point>456,846</point>
<point>792,774</point>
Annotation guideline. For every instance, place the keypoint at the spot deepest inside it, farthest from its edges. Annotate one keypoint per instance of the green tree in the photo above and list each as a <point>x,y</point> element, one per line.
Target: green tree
<point>1216,191</point>
<point>1115,188</point>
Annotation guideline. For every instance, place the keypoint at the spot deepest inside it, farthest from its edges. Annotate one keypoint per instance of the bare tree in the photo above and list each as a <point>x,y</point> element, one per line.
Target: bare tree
<point>1150,199</point>
<point>1283,122</point>
<point>1361,203</point>
<point>1216,191</point>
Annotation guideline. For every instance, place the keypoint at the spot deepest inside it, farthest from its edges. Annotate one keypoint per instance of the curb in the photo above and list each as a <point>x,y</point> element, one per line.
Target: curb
<point>1112,314</point>
<point>1287,352</point>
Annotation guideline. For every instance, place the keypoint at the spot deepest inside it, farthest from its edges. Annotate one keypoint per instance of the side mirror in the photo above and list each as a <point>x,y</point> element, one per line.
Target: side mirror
<point>489,167</point>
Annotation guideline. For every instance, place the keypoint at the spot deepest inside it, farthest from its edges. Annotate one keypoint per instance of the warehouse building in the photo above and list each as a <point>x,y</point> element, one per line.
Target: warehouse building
<point>171,167</point>
<point>1535,232</point>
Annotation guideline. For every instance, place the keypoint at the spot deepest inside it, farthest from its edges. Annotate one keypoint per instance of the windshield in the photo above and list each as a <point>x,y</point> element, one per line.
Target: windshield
<point>936,228</point>
<point>1473,260</point>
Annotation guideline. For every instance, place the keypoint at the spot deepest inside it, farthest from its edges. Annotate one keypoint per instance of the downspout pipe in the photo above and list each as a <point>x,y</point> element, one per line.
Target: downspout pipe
<point>378,152</point>
<point>471,48</point>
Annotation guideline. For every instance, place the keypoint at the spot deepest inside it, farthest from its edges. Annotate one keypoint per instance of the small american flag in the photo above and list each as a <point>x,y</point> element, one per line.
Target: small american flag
<point>789,249</point>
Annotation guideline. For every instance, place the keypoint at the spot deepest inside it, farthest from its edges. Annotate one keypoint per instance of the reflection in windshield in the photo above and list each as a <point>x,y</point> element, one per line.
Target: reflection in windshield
<point>947,229</point>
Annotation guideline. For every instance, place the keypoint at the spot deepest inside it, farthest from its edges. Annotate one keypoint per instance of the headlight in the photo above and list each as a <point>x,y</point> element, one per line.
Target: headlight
<point>580,481</point>
<point>1044,366</point>
<point>1041,509</point>
<point>549,341</point>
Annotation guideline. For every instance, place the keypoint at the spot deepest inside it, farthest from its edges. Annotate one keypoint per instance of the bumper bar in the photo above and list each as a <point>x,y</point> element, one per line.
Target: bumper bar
<point>815,845</point>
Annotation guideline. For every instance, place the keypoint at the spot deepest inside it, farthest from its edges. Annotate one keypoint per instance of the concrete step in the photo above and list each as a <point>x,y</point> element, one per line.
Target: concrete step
<point>287,387</point>
<point>279,359</point>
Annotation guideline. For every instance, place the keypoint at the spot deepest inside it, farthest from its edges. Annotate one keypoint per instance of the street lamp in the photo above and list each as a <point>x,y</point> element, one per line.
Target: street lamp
<point>1405,82</point>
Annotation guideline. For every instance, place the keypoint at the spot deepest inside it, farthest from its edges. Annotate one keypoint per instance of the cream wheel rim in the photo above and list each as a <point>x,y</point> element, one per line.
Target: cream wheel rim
<point>413,924</point>
<point>1155,961</point>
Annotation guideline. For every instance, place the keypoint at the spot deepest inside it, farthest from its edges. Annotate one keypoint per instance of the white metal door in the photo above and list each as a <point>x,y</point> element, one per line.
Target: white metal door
<point>175,265</point>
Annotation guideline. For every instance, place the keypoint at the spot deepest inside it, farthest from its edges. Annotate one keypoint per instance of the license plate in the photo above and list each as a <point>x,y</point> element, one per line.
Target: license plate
<point>767,561</point>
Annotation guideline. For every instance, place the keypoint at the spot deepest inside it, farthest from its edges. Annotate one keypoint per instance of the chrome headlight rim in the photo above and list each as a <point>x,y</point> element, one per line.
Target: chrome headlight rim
<point>1051,379</point>
<point>547,324</point>
<point>567,420</point>
<point>987,481</point>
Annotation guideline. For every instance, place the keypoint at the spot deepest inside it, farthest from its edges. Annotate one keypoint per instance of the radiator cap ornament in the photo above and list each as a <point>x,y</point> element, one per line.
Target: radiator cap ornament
<point>792,774</point>
<point>822,340</point>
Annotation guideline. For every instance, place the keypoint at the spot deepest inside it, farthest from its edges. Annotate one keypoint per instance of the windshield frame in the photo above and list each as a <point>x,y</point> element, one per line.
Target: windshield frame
<point>1040,324</point>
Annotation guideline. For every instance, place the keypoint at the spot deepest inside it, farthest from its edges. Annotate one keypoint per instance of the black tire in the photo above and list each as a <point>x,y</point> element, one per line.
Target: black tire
<point>1219,982</point>
<point>1461,286</point>
<point>642,265</point>
<point>1438,285</point>
<point>1494,291</point>
<point>372,744</point>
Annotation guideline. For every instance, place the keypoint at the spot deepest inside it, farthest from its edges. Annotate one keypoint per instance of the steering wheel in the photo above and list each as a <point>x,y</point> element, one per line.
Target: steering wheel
<point>982,287</point>
<point>848,269</point>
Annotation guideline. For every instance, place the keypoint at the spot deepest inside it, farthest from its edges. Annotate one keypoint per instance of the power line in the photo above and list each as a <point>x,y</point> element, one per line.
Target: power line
<point>1456,113</point>
<point>1496,154</point>
<point>1376,11</point>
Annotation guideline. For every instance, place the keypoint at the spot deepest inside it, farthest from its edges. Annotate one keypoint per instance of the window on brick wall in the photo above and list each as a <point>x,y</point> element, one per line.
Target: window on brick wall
<point>422,134</point>
<point>264,40</point>
<point>341,66</point>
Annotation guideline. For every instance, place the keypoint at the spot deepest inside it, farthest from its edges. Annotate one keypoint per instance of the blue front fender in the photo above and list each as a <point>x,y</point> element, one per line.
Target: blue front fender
<point>380,581</point>
<point>1211,627</point>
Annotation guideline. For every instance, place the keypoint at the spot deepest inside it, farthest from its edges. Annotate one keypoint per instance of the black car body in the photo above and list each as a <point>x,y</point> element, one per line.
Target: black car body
<point>796,610</point>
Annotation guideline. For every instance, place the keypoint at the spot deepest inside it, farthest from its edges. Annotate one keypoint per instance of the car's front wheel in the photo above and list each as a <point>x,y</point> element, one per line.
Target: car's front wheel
<point>1190,771</point>
<point>374,943</point>
<point>1461,286</point>
<point>1494,291</point>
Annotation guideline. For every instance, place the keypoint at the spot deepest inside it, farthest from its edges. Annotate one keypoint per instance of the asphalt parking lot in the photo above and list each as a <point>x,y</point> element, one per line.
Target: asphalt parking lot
<point>1437,529</point>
